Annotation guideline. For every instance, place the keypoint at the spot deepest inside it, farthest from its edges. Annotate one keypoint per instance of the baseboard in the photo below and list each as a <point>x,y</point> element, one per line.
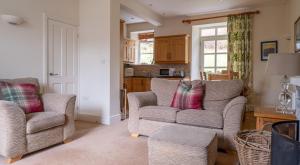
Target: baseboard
<point>97,119</point>
<point>88,118</point>
<point>115,119</point>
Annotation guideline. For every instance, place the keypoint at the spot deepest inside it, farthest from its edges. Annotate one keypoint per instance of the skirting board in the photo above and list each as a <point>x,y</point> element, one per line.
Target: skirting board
<point>88,118</point>
<point>97,119</point>
<point>115,119</point>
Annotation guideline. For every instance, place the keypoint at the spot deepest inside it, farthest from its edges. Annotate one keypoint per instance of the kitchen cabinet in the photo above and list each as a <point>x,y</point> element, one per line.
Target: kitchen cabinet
<point>172,49</point>
<point>129,48</point>
<point>137,84</point>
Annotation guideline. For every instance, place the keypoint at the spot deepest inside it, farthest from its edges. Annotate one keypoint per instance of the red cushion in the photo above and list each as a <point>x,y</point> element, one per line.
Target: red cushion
<point>25,95</point>
<point>188,96</point>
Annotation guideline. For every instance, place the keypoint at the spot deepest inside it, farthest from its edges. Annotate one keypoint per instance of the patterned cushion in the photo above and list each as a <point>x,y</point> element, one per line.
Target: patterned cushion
<point>25,95</point>
<point>188,96</point>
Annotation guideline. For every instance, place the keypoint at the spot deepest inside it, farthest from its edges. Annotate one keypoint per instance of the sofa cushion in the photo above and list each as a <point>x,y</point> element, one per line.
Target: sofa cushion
<point>188,96</point>
<point>23,81</point>
<point>41,121</point>
<point>26,95</point>
<point>204,118</point>
<point>220,93</point>
<point>164,90</point>
<point>159,113</point>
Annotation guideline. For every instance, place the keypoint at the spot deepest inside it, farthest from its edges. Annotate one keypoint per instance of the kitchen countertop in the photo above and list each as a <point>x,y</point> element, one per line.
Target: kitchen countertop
<point>156,77</point>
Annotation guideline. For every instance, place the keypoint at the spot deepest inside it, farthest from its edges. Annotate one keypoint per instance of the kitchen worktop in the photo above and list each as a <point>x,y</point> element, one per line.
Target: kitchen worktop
<point>156,77</point>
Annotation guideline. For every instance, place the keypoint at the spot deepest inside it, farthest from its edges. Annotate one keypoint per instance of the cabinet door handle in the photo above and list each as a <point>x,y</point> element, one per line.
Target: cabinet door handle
<point>53,74</point>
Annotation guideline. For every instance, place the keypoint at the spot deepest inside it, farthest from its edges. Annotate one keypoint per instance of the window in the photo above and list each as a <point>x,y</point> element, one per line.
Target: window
<point>146,51</point>
<point>213,40</point>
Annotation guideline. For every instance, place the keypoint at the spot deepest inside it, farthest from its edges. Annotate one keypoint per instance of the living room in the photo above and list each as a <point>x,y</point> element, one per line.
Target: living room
<point>71,54</point>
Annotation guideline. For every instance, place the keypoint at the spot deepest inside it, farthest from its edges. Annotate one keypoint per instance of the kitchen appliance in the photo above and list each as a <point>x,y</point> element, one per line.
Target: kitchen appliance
<point>172,71</point>
<point>129,72</point>
<point>295,81</point>
<point>164,72</point>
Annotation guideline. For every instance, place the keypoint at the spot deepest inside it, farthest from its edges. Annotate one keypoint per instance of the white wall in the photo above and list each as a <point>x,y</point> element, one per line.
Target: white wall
<point>21,47</point>
<point>99,60</point>
<point>271,24</point>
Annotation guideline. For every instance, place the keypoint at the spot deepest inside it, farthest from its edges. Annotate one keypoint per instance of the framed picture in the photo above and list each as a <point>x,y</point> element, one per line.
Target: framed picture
<point>297,36</point>
<point>268,47</point>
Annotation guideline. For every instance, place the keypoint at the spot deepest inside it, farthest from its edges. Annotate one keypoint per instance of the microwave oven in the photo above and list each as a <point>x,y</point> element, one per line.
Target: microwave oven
<point>164,72</point>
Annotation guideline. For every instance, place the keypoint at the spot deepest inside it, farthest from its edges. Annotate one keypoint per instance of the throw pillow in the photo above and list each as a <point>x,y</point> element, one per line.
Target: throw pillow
<point>25,95</point>
<point>188,96</point>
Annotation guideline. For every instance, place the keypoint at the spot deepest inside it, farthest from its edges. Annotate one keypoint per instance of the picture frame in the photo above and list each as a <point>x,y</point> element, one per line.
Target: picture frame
<point>268,47</point>
<point>297,36</point>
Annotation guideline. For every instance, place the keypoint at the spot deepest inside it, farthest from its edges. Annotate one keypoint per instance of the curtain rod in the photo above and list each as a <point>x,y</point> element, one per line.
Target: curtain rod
<point>189,21</point>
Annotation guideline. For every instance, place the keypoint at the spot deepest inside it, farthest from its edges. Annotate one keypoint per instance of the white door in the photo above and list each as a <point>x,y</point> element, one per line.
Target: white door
<point>62,58</point>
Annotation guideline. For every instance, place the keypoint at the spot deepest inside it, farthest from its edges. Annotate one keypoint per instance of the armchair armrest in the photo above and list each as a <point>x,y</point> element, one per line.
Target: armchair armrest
<point>137,100</point>
<point>62,104</point>
<point>12,130</point>
<point>232,115</point>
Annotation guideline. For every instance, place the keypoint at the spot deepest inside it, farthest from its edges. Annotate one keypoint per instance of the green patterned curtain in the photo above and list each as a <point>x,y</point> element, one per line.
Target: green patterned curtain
<point>240,53</point>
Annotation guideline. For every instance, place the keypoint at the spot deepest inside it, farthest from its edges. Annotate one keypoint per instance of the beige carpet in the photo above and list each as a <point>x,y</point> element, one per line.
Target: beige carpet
<point>99,145</point>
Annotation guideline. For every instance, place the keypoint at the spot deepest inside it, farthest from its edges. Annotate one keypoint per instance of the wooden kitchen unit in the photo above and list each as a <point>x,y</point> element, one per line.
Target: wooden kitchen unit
<point>265,116</point>
<point>137,84</point>
<point>129,48</point>
<point>172,49</point>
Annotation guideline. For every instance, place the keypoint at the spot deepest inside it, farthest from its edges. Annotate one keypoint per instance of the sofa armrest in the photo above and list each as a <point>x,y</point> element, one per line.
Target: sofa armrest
<point>62,104</point>
<point>137,100</point>
<point>12,130</point>
<point>232,115</point>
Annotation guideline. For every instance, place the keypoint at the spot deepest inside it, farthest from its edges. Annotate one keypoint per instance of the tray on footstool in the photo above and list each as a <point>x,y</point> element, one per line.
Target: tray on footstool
<point>182,145</point>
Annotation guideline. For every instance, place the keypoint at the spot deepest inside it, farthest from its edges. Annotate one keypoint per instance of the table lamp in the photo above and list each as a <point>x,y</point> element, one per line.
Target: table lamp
<point>284,65</point>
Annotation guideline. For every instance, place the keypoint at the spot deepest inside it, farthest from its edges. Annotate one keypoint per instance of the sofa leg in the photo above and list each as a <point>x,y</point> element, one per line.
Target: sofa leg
<point>14,159</point>
<point>135,135</point>
<point>66,141</point>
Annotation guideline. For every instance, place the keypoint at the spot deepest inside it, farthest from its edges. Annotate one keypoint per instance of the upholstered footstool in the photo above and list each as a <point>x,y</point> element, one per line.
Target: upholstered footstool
<point>182,145</point>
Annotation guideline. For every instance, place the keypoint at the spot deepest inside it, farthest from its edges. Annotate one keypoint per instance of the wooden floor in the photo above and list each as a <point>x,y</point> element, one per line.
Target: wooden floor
<point>249,121</point>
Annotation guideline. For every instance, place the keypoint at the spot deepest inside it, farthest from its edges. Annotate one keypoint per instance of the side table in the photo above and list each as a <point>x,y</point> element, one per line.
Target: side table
<point>268,115</point>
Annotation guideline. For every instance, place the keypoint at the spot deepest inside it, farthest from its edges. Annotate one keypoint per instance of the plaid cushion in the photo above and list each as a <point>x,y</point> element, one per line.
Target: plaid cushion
<point>188,96</point>
<point>25,95</point>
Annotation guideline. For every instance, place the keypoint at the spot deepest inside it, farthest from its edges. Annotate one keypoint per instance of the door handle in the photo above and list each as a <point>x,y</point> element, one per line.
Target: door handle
<point>53,74</point>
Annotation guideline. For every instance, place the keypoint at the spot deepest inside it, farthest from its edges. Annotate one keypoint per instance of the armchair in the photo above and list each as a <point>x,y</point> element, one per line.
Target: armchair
<point>22,133</point>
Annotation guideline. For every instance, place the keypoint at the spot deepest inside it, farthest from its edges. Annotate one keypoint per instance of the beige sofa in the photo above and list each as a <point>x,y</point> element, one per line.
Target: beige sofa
<point>22,133</point>
<point>150,111</point>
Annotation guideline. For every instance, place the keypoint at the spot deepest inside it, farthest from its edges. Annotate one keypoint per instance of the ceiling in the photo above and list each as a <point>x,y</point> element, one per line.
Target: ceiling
<point>172,8</point>
<point>128,17</point>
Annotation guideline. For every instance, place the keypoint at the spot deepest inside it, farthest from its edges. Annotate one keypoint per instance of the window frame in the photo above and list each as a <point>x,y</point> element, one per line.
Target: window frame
<point>139,52</point>
<point>216,38</point>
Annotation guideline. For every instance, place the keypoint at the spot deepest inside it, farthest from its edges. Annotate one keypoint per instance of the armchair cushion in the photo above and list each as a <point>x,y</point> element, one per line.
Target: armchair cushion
<point>159,113</point>
<point>219,93</point>
<point>25,95</point>
<point>41,121</point>
<point>204,118</point>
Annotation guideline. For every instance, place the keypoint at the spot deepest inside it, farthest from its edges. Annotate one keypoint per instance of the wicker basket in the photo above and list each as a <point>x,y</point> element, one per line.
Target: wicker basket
<point>254,147</point>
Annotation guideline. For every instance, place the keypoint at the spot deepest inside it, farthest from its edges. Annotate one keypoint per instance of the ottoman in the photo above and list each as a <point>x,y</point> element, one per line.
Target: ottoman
<point>182,145</point>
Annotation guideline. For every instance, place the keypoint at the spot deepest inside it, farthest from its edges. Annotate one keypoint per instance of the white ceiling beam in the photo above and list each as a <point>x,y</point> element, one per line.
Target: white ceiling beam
<point>142,11</point>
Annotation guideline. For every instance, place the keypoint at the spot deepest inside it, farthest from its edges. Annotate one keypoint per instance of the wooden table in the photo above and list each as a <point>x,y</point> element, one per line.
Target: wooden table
<point>268,115</point>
